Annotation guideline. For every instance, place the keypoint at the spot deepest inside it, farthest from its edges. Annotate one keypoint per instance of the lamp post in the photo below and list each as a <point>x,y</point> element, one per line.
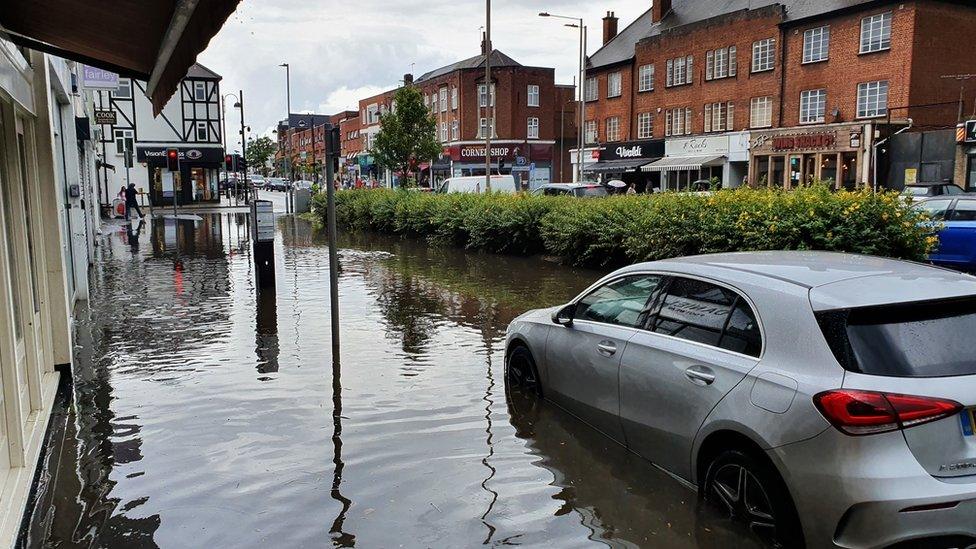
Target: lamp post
<point>489,103</point>
<point>289,204</point>
<point>580,138</point>
<point>238,104</point>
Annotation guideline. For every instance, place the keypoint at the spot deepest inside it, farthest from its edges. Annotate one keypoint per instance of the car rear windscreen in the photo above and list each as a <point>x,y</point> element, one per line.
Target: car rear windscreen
<point>922,339</point>
<point>593,192</point>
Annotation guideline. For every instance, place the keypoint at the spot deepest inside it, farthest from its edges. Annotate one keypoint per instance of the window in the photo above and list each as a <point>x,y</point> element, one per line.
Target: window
<point>589,131</point>
<point>487,124</point>
<point>680,71</point>
<point>965,210</point>
<point>124,141</point>
<point>813,106</point>
<point>533,95</point>
<point>872,99</point>
<point>443,94</point>
<point>202,132</point>
<point>645,125</point>
<point>876,33</point>
<point>454,130</point>
<point>702,312</point>
<point>533,130</point>
<point>719,117</point>
<point>764,55</point>
<point>720,63</point>
<point>483,99</point>
<point>937,209</point>
<point>613,84</point>
<point>200,91</point>
<point>592,94</point>
<point>613,129</point>
<point>677,122</point>
<point>454,98</point>
<point>761,112</point>
<point>124,91</point>
<point>646,78</point>
<point>816,44</point>
<point>443,132</point>
<point>623,302</point>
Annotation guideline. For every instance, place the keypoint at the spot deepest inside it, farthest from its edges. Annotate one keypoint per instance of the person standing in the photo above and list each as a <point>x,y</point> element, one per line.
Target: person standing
<point>131,201</point>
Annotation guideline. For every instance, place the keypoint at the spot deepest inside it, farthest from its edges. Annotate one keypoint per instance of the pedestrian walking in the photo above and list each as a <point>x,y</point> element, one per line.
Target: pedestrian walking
<point>130,201</point>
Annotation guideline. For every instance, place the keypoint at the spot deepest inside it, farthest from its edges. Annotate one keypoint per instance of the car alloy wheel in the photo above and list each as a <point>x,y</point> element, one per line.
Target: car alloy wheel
<point>522,372</point>
<point>743,495</point>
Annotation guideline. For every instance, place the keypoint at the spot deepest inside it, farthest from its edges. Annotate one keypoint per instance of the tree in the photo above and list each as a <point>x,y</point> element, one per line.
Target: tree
<point>259,151</point>
<point>408,134</point>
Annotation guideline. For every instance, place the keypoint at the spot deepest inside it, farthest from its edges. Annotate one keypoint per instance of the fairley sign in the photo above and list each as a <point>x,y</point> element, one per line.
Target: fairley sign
<point>94,78</point>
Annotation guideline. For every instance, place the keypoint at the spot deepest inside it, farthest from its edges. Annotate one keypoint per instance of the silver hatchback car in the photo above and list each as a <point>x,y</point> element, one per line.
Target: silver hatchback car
<point>823,399</point>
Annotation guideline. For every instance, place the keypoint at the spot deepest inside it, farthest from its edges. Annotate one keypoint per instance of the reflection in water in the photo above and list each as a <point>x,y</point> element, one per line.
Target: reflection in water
<point>201,406</point>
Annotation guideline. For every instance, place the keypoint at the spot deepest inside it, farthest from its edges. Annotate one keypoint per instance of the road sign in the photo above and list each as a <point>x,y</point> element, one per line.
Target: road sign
<point>521,161</point>
<point>524,168</point>
<point>971,131</point>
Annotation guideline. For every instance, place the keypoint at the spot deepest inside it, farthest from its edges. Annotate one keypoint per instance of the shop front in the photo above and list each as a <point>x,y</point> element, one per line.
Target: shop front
<point>702,162</point>
<point>792,157</point>
<point>529,163</point>
<point>196,182</point>
<point>623,161</point>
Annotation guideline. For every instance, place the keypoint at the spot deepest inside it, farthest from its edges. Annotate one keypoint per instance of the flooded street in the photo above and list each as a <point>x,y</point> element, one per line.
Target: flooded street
<point>208,413</point>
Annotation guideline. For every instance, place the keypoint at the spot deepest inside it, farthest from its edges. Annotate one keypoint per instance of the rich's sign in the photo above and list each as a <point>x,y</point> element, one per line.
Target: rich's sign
<point>804,141</point>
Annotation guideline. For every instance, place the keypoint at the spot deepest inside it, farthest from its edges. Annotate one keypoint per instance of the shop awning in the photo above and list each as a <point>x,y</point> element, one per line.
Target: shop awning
<point>152,40</point>
<point>681,163</point>
<point>617,166</point>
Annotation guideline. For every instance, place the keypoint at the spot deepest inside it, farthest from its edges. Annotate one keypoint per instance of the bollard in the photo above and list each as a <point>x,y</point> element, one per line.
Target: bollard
<point>262,237</point>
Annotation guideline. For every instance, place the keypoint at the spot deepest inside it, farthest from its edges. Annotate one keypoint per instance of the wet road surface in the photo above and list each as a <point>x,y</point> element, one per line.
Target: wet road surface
<point>208,413</point>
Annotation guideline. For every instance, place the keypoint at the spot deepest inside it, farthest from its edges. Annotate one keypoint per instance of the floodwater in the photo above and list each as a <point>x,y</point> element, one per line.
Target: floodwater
<point>209,413</point>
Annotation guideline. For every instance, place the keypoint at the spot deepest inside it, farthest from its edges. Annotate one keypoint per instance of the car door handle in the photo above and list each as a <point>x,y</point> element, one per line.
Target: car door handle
<point>700,375</point>
<point>606,348</point>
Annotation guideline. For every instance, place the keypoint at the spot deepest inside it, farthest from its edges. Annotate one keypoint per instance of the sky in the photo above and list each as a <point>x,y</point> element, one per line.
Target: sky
<point>343,51</point>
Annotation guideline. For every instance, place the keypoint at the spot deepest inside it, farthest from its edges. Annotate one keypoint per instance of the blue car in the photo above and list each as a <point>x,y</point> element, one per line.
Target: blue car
<point>957,240</point>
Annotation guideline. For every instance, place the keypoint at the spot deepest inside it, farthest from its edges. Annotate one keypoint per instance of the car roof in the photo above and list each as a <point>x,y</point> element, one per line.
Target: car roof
<point>570,185</point>
<point>930,184</point>
<point>835,280</point>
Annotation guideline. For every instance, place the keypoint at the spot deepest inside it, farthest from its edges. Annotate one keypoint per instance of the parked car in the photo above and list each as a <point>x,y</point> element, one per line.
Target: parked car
<point>257,181</point>
<point>922,190</point>
<point>957,236</point>
<point>277,184</point>
<point>303,184</point>
<point>580,190</point>
<point>476,184</point>
<point>820,398</point>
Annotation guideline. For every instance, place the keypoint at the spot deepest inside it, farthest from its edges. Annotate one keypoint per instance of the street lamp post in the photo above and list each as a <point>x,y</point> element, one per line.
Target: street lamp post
<point>238,104</point>
<point>580,138</point>
<point>289,198</point>
<point>490,126</point>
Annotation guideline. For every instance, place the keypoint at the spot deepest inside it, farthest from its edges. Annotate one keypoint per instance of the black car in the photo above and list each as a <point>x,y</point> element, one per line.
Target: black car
<point>923,190</point>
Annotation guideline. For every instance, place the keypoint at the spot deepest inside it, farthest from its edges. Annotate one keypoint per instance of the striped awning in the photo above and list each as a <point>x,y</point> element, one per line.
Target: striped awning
<point>616,166</point>
<point>682,163</point>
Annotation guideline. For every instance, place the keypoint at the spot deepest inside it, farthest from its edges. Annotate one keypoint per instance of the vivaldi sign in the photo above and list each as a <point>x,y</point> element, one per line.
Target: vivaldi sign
<point>630,150</point>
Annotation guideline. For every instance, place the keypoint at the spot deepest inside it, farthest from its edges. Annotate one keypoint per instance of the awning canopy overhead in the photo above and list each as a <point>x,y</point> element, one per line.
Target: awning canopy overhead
<point>616,166</point>
<point>152,40</point>
<point>681,163</point>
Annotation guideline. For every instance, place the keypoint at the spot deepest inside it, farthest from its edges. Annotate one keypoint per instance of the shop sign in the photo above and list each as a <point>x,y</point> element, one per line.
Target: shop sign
<point>94,78</point>
<point>158,154</point>
<point>698,146</point>
<point>804,141</point>
<point>474,152</point>
<point>632,149</point>
<point>106,117</point>
<point>971,131</point>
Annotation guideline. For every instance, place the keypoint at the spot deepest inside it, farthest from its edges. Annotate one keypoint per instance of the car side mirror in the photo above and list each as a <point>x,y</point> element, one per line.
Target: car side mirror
<point>564,316</point>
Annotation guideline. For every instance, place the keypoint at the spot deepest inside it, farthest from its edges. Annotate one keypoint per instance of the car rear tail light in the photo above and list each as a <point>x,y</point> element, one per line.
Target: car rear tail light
<point>868,412</point>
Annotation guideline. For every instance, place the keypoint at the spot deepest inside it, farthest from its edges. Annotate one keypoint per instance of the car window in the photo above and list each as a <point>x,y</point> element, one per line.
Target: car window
<point>622,302</point>
<point>965,210</point>
<point>694,310</point>
<point>591,192</point>
<point>916,191</point>
<point>935,208</point>
<point>552,191</point>
<point>742,333</point>
<point>951,189</point>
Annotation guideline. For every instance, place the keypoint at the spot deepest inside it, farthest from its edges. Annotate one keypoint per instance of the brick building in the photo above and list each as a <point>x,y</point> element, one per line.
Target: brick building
<point>770,92</point>
<point>301,143</point>
<point>527,113</point>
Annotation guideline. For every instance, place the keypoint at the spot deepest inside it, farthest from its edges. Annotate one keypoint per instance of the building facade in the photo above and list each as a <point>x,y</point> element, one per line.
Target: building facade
<point>810,87</point>
<point>191,122</point>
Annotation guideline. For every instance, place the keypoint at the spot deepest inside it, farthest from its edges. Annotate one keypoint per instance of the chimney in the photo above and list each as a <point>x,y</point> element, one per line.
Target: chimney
<point>660,9</point>
<point>407,79</point>
<point>609,27</point>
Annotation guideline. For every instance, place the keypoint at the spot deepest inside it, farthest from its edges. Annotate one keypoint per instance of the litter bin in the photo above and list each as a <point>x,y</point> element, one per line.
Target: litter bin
<point>303,201</point>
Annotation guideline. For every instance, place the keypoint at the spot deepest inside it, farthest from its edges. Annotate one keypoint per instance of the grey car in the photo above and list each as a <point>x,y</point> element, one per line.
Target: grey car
<point>823,399</point>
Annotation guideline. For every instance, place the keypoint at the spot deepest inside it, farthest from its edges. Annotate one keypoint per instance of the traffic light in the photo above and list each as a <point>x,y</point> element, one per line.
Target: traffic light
<point>173,160</point>
<point>228,163</point>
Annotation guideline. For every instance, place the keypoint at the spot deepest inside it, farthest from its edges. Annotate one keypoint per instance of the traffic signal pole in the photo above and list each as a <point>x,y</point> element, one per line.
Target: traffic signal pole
<point>331,153</point>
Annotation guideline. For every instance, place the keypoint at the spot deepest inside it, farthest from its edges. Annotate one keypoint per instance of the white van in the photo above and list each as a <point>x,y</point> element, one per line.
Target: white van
<point>476,184</point>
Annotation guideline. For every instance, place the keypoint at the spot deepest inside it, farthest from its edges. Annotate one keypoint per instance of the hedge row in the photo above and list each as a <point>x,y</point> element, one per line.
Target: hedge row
<point>618,230</point>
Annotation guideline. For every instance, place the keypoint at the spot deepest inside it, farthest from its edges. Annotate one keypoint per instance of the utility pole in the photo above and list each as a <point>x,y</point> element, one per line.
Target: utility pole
<point>332,148</point>
<point>490,126</point>
<point>962,78</point>
<point>290,194</point>
<point>243,140</point>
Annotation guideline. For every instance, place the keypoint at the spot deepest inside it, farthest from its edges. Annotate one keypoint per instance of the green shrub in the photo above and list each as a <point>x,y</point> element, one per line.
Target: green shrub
<point>626,229</point>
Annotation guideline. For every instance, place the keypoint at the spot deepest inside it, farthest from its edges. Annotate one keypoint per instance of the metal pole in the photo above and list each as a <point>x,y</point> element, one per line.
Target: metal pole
<point>333,251</point>
<point>243,143</point>
<point>290,195</point>
<point>488,110</point>
<point>581,134</point>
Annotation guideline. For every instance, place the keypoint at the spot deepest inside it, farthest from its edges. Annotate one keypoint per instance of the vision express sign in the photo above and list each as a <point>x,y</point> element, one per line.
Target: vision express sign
<point>188,154</point>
